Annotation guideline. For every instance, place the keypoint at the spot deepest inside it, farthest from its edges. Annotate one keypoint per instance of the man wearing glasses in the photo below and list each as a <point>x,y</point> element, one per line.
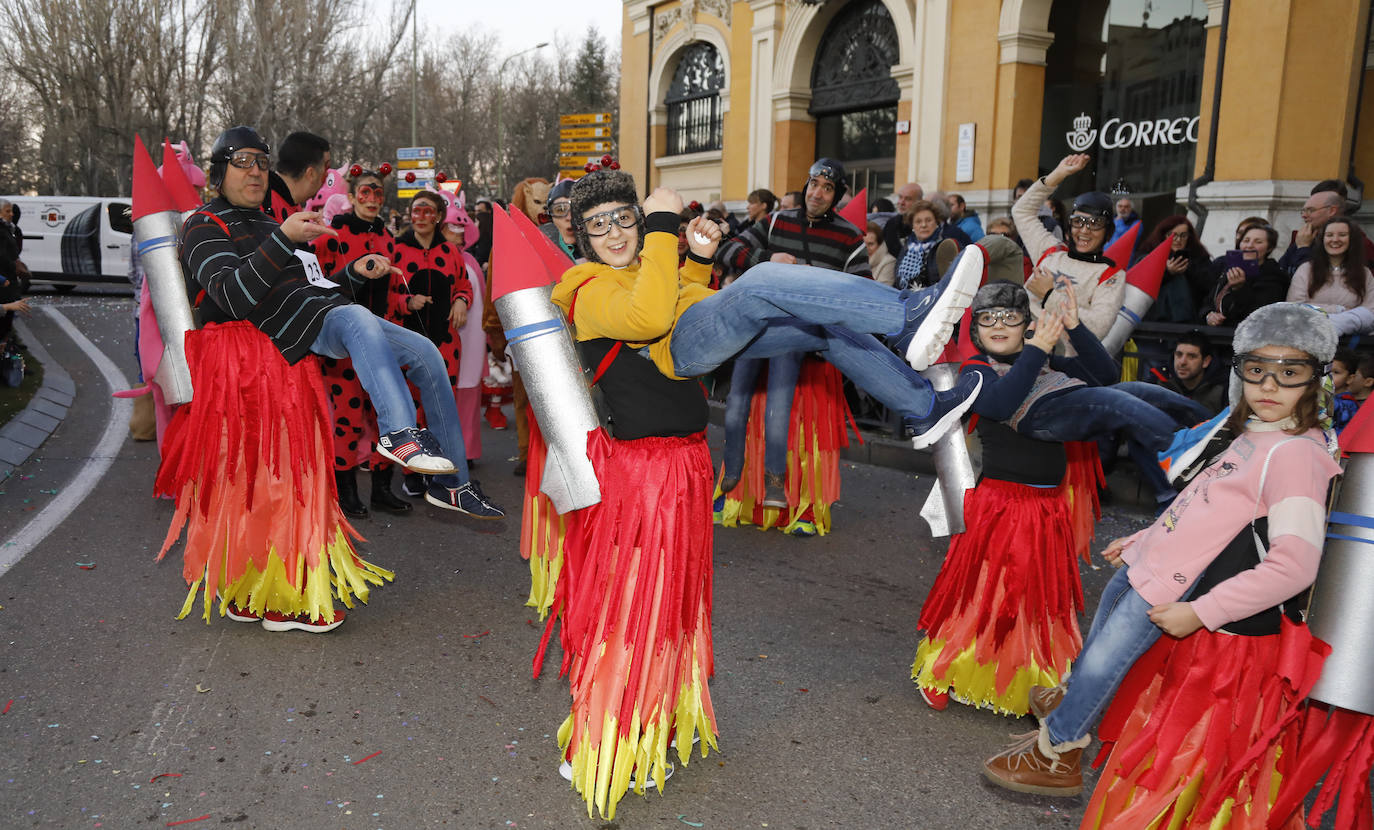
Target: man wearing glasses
<point>1321,207</point>
<point>302,164</point>
<point>244,265</point>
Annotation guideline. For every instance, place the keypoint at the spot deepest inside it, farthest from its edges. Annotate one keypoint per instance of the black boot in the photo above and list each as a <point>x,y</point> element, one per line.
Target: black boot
<point>382,497</point>
<point>349,503</point>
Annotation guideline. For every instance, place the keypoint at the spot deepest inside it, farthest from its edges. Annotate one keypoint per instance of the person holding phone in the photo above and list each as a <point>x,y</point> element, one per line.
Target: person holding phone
<point>1187,272</point>
<point>1246,279</point>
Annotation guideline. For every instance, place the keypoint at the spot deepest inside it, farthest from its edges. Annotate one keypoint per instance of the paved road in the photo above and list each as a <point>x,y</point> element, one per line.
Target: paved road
<point>820,724</point>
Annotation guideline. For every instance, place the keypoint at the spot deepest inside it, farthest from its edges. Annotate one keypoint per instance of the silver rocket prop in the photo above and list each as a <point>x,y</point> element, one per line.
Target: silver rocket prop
<point>944,507</point>
<point>1133,306</point>
<point>541,347</point>
<point>156,233</point>
<point>1342,609</point>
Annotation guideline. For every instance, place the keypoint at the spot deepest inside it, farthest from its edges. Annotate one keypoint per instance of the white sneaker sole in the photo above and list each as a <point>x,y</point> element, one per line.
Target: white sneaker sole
<point>929,340</point>
<point>229,612</point>
<point>456,509</point>
<point>942,426</point>
<point>417,464</point>
<point>565,772</point>
<point>294,625</point>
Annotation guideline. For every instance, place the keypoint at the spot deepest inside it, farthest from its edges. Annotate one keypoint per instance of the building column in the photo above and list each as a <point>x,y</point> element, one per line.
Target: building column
<point>1270,154</point>
<point>632,122</point>
<point>767,25</point>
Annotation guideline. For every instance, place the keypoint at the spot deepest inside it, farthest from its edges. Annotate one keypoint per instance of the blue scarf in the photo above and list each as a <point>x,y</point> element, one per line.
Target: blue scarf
<point>913,265</point>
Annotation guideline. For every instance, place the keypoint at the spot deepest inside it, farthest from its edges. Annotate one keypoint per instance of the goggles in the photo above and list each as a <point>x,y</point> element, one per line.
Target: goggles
<point>246,161</point>
<point>560,208</point>
<point>1078,220</point>
<point>599,224</point>
<point>1009,317</point>
<point>1290,372</point>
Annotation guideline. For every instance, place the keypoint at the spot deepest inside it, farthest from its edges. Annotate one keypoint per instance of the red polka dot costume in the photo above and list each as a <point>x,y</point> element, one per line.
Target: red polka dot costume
<point>355,423</point>
<point>439,272</point>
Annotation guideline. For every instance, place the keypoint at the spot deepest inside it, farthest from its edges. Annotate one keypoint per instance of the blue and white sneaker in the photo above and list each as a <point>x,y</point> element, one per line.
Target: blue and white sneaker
<point>945,411</point>
<point>932,313</point>
<point>416,450</point>
<point>467,498</point>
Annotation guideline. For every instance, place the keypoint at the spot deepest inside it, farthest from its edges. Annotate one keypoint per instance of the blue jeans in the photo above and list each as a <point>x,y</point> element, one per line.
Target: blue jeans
<point>1121,632</point>
<point>1086,412</point>
<point>379,348</point>
<point>783,372</point>
<point>1185,412</point>
<point>773,309</point>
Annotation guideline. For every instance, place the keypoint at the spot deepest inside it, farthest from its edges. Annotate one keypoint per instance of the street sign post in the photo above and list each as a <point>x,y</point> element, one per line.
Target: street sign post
<point>420,162</point>
<point>580,119</point>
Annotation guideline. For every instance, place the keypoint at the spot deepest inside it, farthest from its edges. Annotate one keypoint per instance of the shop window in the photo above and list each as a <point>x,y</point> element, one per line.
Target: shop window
<point>695,119</point>
<point>1123,82</point>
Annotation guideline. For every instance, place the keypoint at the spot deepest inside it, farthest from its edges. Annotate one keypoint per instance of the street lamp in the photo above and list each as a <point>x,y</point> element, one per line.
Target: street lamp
<point>500,135</point>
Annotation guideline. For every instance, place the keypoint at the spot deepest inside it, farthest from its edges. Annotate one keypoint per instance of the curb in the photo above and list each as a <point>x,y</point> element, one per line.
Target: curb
<point>26,432</point>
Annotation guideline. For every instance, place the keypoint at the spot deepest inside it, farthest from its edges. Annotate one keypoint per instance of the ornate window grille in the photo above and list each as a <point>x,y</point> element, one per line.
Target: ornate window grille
<point>853,69</point>
<point>694,114</point>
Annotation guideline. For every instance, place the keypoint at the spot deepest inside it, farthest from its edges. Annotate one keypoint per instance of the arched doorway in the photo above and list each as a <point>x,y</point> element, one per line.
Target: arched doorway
<point>854,96</point>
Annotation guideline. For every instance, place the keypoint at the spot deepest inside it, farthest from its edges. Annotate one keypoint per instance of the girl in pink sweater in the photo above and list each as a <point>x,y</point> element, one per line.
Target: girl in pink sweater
<point>1219,572</point>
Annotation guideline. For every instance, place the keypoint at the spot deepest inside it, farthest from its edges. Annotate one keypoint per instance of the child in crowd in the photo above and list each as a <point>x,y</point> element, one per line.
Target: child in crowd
<point>1053,398</point>
<point>1218,573</point>
<point>1358,380</point>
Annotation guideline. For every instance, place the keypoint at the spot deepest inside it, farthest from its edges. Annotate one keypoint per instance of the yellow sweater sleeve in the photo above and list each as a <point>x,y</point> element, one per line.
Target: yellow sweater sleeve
<point>634,307</point>
<point>695,273</point>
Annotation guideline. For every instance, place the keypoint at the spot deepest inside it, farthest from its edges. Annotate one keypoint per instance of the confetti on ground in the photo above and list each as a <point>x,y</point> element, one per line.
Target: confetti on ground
<point>8,704</point>
<point>488,700</point>
<point>200,690</point>
<point>49,492</point>
<point>684,820</point>
<point>187,820</point>
<point>164,775</point>
<point>368,758</point>
<point>475,636</point>
<point>86,566</point>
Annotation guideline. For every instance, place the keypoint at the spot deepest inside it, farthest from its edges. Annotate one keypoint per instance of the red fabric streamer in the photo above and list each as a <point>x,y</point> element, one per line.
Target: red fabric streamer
<point>368,758</point>
<point>187,820</point>
<point>8,704</point>
<point>1201,720</point>
<point>1082,479</point>
<point>164,775</point>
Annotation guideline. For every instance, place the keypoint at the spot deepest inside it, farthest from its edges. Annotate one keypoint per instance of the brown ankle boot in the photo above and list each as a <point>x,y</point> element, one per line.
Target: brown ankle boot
<point>1045,699</point>
<point>1033,766</point>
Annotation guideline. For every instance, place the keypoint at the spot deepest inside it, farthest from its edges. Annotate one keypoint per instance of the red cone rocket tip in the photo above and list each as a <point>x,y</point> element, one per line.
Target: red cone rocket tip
<point>857,210</point>
<point>179,187</point>
<point>150,195</point>
<point>554,260</point>
<point>1119,251</point>
<point>1358,435</point>
<point>1148,274</point>
<point>514,264</point>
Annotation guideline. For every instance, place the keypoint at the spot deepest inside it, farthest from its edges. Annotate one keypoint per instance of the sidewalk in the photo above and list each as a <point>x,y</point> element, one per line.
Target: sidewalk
<point>26,432</point>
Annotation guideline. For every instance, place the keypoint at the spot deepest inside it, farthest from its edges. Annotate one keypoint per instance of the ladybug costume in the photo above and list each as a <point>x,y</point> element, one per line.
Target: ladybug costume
<point>355,423</point>
<point>439,272</point>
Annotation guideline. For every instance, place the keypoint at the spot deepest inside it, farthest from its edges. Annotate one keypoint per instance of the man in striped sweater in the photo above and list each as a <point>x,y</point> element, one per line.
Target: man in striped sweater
<point>813,234</point>
<point>241,264</point>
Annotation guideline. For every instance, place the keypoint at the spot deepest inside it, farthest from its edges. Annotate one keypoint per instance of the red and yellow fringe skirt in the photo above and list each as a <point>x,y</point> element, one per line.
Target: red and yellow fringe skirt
<point>1202,732</point>
<point>249,462</point>
<point>818,432</point>
<point>1003,613</point>
<point>1338,745</point>
<point>542,529</point>
<point>1082,479</point>
<point>634,601</point>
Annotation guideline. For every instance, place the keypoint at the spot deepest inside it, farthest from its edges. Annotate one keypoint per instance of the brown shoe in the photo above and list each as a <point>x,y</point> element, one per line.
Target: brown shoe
<point>1031,765</point>
<point>774,490</point>
<point>945,253</point>
<point>1045,699</point>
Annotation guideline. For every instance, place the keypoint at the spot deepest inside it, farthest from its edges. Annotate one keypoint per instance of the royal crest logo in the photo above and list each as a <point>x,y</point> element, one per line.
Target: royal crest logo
<point>52,216</point>
<point>1083,134</point>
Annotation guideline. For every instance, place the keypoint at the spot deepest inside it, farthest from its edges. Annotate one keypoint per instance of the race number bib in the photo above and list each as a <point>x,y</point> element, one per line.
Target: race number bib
<point>313,271</point>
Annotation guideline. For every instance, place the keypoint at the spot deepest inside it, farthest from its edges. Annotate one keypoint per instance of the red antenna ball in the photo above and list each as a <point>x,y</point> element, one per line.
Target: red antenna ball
<point>695,205</point>
<point>440,177</point>
<point>606,160</point>
<point>384,170</point>
<point>355,171</point>
<point>589,167</point>
<point>410,177</point>
<point>615,165</point>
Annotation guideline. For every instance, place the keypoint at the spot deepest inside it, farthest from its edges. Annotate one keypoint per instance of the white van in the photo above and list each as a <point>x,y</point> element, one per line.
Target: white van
<point>71,240</point>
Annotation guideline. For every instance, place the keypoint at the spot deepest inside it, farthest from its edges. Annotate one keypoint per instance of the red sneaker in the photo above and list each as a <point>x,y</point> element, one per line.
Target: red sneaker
<point>935,700</point>
<point>238,614</point>
<point>276,621</point>
<point>496,419</point>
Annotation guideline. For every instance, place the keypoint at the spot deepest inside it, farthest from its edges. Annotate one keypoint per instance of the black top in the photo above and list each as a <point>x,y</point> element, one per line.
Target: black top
<point>642,401</point>
<point>239,265</point>
<point>1242,555</point>
<point>1010,456</point>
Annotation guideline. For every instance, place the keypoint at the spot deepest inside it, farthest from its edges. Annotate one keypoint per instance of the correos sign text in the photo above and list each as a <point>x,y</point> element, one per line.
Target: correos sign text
<point>1119,135</point>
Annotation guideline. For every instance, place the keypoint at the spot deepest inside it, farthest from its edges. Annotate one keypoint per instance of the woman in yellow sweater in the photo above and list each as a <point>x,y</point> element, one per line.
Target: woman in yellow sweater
<point>634,596</point>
